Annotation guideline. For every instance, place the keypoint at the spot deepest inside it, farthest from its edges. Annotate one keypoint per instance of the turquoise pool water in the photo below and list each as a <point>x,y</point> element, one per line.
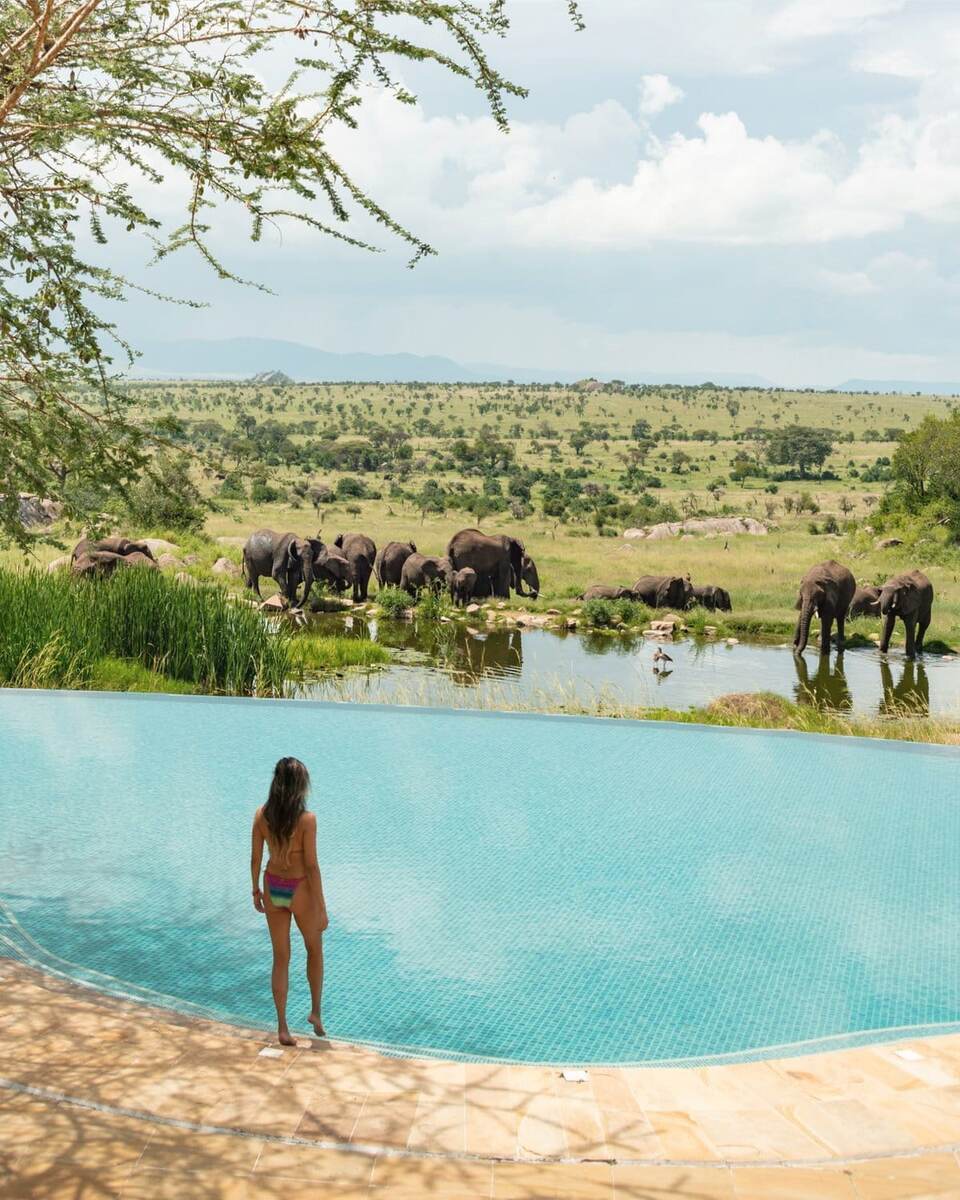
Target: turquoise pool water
<point>513,887</point>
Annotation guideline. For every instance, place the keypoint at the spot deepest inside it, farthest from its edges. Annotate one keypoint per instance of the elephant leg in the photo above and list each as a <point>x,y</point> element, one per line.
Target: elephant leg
<point>841,618</point>
<point>888,624</point>
<point>826,624</point>
<point>252,577</point>
<point>910,624</point>
<point>923,624</point>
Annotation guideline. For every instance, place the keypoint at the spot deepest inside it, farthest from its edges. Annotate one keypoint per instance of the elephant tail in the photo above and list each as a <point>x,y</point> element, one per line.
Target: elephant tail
<point>803,626</point>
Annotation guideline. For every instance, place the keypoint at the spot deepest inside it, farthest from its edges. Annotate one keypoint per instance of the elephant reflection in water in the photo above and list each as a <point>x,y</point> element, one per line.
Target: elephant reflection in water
<point>827,688</point>
<point>497,653</point>
<point>910,695</point>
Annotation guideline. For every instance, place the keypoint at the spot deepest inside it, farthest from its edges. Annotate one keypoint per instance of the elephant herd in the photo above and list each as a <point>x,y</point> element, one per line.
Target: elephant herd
<point>664,591</point>
<point>830,590</point>
<point>476,565</point>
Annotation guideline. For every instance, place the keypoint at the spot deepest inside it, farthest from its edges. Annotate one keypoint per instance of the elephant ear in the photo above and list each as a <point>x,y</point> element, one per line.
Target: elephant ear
<point>516,550</point>
<point>338,541</point>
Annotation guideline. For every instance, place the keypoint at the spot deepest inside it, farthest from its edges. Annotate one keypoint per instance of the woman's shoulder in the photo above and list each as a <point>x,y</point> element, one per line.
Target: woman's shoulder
<point>308,820</point>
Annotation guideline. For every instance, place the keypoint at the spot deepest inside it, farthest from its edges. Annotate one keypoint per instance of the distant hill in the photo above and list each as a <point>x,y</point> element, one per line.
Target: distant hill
<point>271,379</point>
<point>243,358</point>
<point>908,387</point>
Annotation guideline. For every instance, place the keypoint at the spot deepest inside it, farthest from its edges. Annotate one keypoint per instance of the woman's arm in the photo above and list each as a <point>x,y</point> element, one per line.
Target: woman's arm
<point>312,867</point>
<point>256,858</point>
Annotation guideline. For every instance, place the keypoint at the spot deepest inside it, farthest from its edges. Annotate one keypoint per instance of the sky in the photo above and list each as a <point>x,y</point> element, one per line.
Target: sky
<point>765,187</point>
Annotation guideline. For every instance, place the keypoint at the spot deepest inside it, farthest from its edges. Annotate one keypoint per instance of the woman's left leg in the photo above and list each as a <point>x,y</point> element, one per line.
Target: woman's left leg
<point>278,922</point>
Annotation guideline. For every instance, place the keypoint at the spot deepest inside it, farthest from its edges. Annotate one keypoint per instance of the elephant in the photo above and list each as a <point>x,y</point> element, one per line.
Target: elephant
<point>462,583</point>
<point>606,591</point>
<point>827,590</point>
<point>910,597</point>
<point>663,591</point>
<point>331,566</point>
<point>422,570</point>
<point>286,558</point>
<point>712,597</point>
<point>498,556</point>
<point>865,603</point>
<point>530,576</point>
<point>102,557</point>
<point>389,562</point>
<point>361,553</point>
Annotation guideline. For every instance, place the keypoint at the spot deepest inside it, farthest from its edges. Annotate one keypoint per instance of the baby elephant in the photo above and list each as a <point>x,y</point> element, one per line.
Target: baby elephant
<point>865,602</point>
<point>909,597</point>
<point>712,597</point>
<point>462,585</point>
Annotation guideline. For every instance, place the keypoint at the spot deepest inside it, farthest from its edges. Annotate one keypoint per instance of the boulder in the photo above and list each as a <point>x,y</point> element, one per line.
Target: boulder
<point>171,562</point>
<point>703,526</point>
<point>888,543</point>
<point>37,510</point>
<point>472,608</point>
<point>571,622</point>
<point>225,566</point>
<point>59,564</point>
<point>553,612</point>
<point>160,546</point>
<point>274,604</point>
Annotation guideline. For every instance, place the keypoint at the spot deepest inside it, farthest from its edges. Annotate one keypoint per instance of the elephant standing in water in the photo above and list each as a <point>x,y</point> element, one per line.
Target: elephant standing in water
<point>827,590</point>
<point>284,557</point>
<point>909,597</point>
<point>361,553</point>
<point>497,559</point>
<point>330,566</point>
<point>388,564</point>
<point>663,591</point>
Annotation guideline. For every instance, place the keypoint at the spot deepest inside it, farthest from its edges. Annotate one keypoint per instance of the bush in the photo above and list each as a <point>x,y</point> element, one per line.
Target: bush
<point>433,605</point>
<point>599,614</point>
<point>233,487</point>
<point>394,601</point>
<point>262,492</point>
<point>831,525</point>
<point>166,497</point>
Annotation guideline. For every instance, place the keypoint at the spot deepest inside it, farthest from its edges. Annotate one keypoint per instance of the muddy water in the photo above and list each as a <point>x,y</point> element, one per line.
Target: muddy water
<point>451,665</point>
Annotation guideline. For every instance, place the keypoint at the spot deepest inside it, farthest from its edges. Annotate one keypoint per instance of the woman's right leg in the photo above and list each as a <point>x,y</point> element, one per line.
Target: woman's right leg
<point>278,922</point>
<point>308,922</point>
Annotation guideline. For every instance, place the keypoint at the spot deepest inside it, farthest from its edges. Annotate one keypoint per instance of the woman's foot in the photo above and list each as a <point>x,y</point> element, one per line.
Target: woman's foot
<point>318,1029</point>
<point>285,1037</point>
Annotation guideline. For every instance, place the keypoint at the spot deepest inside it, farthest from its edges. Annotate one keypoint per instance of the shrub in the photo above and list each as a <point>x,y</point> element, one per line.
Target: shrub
<point>262,492</point>
<point>599,614</point>
<point>433,605</point>
<point>166,497</point>
<point>394,601</point>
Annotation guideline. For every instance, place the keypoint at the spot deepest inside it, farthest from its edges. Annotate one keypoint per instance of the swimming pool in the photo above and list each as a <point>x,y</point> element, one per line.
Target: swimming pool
<point>544,889</point>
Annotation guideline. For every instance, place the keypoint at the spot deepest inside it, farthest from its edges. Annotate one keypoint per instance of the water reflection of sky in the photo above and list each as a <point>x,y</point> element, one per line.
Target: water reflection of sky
<point>448,664</point>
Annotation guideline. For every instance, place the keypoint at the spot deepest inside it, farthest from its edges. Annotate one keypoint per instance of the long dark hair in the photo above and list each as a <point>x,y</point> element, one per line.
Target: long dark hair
<point>287,801</point>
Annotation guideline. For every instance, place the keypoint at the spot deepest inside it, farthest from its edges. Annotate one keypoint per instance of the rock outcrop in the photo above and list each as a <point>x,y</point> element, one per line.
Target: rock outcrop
<point>704,526</point>
<point>35,510</point>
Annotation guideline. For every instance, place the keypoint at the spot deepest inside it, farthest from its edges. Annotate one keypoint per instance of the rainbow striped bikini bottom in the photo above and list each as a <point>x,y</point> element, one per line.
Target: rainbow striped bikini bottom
<point>280,890</point>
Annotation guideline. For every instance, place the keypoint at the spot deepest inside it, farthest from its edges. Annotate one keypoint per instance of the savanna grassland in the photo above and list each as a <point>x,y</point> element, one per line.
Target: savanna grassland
<point>568,467</point>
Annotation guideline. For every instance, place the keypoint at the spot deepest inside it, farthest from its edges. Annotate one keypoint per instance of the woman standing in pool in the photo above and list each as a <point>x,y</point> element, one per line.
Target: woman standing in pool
<point>292,885</point>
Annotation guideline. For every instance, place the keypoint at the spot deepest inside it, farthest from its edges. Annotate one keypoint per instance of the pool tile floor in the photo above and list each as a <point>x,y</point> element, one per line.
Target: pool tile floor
<point>105,1098</point>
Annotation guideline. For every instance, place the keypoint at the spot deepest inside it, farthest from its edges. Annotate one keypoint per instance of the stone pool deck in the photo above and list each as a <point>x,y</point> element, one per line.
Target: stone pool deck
<point>103,1098</point>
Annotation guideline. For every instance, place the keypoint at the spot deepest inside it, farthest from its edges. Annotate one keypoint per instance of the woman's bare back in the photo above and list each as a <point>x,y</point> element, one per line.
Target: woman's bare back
<point>290,862</point>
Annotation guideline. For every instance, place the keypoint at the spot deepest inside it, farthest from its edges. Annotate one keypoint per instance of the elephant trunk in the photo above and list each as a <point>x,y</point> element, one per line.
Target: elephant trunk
<point>307,576</point>
<point>516,565</point>
<point>803,625</point>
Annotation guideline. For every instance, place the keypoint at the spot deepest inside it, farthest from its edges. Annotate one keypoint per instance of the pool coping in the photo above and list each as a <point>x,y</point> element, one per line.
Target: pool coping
<point>848,1109</point>
<point>887,744</point>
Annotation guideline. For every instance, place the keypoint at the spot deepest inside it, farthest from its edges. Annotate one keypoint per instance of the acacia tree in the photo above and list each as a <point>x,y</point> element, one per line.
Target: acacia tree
<point>102,102</point>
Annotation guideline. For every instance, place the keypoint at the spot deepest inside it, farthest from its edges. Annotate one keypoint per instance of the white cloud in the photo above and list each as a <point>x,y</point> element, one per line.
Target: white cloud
<point>846,283</point>
<point>657,93</point>
<point>824,18</point>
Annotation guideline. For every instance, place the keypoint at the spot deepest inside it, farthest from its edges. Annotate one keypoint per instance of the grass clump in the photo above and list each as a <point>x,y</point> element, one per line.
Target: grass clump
<point>605,614</point>
<point>312,652</point>
<point>433,605</point>
<point>393,601</point>
<point>124,675</point>
<point>56,629</point>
